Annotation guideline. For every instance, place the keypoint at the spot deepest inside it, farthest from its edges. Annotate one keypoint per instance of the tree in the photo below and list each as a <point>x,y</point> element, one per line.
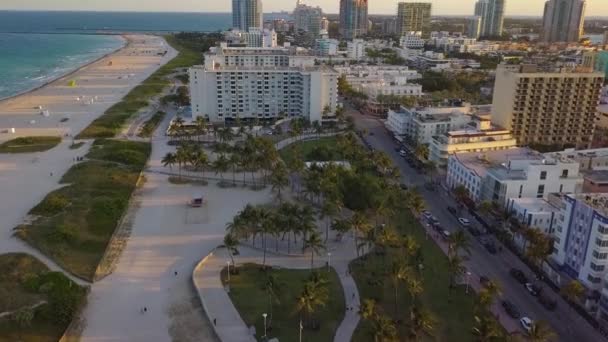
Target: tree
<point>540,332</point>
<point>23,317</point>
<point>422,152</point>
<point>459,241</point>
<point>279,179</point>
<point>421,322</point>
<point>399,273</point>
<point>314,295</point>
<point>273,288</point>
<point>487,294</point>
<point>169,160</point>
<point>315,244</point>
<point>385,330</point>
<point>461,193</point>
<point>486,328</point>
<point>221,165</point>
<point>182,157</point>
<point>360,225</point>
<point>455,268</point>
<point>231,243</point>
<point>329,209</point>
<point>368,309</point>
<point>341,226</point>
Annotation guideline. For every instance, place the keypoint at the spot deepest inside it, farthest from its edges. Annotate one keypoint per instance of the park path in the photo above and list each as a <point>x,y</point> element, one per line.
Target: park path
<point>229,324</point>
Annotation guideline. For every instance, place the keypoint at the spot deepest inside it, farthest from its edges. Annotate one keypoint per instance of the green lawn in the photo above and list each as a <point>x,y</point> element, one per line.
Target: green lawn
<point>24,281</point>
<point>454,314</point>
<point>249,296</point>
<point>29,144</point>
<point>323,149</point>
<point>74,224</point>
<point>150,126</point>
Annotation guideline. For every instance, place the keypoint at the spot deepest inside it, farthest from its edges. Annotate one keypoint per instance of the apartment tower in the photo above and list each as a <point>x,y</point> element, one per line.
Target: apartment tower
<point>247,14</point>
<point>492,13</point>
<point>563,20</point>
<point>413,17</point>
<point>547,108</point>
<point>353,18</point>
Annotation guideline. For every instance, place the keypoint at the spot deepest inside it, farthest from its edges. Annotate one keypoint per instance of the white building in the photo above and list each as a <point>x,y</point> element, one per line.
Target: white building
<point>255,37</point>
<point>421,124</point>
<point>593,159</point>
<point>263,83</point>
<point>535,213</point>
<point>430,60</point>
<point>501,175</point>
<point>357,75</point>
<point>356,49</point>
<point>412,40</point>
<point>326,46</point>
<point>480,137</point>
<point>581,238</point>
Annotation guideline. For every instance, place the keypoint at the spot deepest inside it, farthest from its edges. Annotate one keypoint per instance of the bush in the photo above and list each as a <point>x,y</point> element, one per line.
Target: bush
<point>53,204</point>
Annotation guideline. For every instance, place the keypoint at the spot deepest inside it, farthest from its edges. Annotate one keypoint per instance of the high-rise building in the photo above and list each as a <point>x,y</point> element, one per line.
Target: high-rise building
<point>247,14</point>
<point>353,18</point>
<point>474,27</point>
<point>413,17</point>
<point>492,13</point>
<point>563,20</point>
<point>307,18</point>
<point>548,108</point>
<point>261,83</point>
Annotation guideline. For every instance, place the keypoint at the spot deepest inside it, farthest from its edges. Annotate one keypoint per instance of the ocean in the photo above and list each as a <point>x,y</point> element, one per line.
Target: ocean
<point>37,47</point>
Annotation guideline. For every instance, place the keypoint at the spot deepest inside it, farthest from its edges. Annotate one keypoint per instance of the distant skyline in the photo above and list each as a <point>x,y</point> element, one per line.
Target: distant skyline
<point>440,7</point>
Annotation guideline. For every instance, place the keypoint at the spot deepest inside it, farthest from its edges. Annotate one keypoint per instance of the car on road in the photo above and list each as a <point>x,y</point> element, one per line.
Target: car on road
<point>402,153</point>
<point>453,211</point>
<point>533,289</point>
<point>547,302</point>
<point>446,235</point>
<point>427,214</point>
<point>474,231</point>
<point>490,247</point>
<point>526,323</point>
<point>518,275</point>
<point>464,222</point>
<point>511,309</point>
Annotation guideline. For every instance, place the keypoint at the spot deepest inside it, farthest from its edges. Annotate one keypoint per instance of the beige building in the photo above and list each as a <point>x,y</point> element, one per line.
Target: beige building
<point>413,17</point>
<point>549,108</point>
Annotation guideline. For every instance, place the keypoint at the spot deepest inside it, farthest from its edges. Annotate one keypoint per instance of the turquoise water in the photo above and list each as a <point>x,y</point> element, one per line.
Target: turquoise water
<point>30,60</point>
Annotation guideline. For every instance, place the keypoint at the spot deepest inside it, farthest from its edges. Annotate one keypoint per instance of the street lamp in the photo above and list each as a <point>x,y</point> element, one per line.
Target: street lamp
<point>467,289</point>
<point>301,327</point>
<point>328,260</point>
<point>264,315</point>
<point>228,263</point>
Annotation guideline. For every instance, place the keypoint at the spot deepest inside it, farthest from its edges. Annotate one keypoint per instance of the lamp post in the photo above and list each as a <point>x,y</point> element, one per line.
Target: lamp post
<point>301,327</point>
<point>228,263</point>
<point>264,315</point>
<point>328,260</point>
<point>467,289</point>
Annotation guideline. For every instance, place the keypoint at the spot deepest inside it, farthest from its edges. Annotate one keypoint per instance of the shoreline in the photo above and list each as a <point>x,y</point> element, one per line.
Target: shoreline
<point>125,43</point>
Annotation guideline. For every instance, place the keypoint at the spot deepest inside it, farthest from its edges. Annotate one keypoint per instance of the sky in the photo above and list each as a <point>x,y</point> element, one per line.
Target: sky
<point>440,7</point>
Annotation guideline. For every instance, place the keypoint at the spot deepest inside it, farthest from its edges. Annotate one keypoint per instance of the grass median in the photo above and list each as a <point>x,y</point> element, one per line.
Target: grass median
<point>152,124</point>
<point>249,294</point>
<point>452,311</point>
<point>29,144</point>
<point>25,282</point>
<point>74,224</point>
<point>323,149</point>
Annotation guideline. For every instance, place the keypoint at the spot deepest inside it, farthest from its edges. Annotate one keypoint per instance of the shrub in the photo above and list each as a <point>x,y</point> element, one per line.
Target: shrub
<point>53,204</point>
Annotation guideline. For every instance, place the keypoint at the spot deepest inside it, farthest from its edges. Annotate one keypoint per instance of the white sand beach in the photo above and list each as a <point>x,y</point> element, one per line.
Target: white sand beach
<point>69,104</point>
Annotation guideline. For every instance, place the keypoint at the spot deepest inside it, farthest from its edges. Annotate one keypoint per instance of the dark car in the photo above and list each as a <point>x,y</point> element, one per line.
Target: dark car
<point>474,231</point>
<point>533,289</point>
<point>403,186</point>
<point>483,280</point>
<point>511,309</point>
<point>490,247</point>
<point>453,211</point>
<point>519,275</point>
<point>548,302</point>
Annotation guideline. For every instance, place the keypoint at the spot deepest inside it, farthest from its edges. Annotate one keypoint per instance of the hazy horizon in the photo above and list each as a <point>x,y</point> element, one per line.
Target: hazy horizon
<point>595,8</point>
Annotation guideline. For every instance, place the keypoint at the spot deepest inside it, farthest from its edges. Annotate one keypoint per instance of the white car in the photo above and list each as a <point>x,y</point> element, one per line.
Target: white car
<point>526,323</point>
<point>464,222</point>
<point>402,153</point>
<point>427,214</point>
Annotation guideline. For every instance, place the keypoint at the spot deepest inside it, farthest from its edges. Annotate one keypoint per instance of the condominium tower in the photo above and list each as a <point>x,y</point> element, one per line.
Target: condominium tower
<point>353,18</point>
<point>563,20</point>
<point>548,108</point>
<point>261,83</point>
<point>492,14</point>
<point>413,17</point>
<point>307,18</point>
<point>247,14</point>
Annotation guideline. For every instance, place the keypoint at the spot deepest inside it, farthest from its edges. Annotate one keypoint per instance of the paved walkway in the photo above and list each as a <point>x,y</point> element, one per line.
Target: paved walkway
<point>229,324</point>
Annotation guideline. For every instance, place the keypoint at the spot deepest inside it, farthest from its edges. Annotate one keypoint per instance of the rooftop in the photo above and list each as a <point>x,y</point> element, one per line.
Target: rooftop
<point>598,176</point>
<point>482,162</point>
<point>535,205</point>
<point>599,202</point>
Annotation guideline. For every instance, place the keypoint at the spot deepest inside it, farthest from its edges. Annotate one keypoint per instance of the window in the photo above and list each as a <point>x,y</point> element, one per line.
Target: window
<point>564,173</point>
<point>541,191</point>
<point>543,175</point>
<point>561,188</point>
<point>600,256</point>
<point>594,280</point>
<point>601,243</point>
<point>597,268</point>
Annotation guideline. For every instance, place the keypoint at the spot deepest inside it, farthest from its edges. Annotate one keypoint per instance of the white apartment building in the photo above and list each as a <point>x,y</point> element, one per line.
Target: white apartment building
<point>369,74</point>
<point>412,40</point>
<point>429,60</point>
<point>480,137</point>
<point>421,124</point>
<point>501,175</point>
<point>326,46</point>
<point>356,49</point>
<point>255,37</point>
<point>536,213</point>
<point>581,238</point>
<point>589,160</point>
<point>373,90</point>
<point>263,83</point>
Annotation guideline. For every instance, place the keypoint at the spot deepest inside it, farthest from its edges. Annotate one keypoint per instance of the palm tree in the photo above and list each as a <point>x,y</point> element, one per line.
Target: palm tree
<point>182,156</point>
<point>455,268</point>
<point>414,287</point>
<point>315,244</point>
<point>221,165</point>
<point>421,322</point>
<point>540,332</point>
<point>486,329</point>
<point>328,210</point>
<point>200,160</point>
<point>399,272</point>
<point>461,193</point>
<point>360,225</point>
<point>231,243</point>
<point>341,226</point>
<point>273,288</point>
<point>289,214</point>
<point>234,161</point>
<point>385,330</point>
<point>279,179</point>
<point>368,309</point>
<point>415,202</point>
<point>305,221</point>
<point>201,127</point>
<point>264,220</point>
<point>459,241</point>
<point>314,295</point>
<point>486,296</point>
<point>169,160</point>
<point>574,292</point>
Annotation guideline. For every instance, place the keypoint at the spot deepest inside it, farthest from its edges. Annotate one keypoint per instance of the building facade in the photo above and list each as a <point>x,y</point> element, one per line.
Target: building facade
<point>492,14</point>
<point>247,14</point>
<point>557,108</point>
<point>308,19</point>
<point>413,16</point>
<point>261,83</point>
<point>563,20</point>
<point>412,40</point>
<point>254,38</point>
<point>474,27</point>
<point>356,49</point>
<point>353,18</point>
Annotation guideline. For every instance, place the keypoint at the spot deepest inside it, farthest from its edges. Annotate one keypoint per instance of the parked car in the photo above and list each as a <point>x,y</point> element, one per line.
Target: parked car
<point>518,275</point>
<point>427,214</point>
<point>533,289</point>
<point>464,222</point>
<point>453,211</point>
<point>526,323</point>
<point>402,153</point>
<point>474,231</point>
<point>445,234</point>
<point>548,302</point>
<point>490,247</point>
<point>511,309</point>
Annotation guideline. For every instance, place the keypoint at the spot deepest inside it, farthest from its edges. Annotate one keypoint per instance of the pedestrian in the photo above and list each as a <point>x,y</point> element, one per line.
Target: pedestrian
<point>175,273</point>
<point>215,322</point>
<point>145,309</point>
<point>353,295</point>
<point>51,174</point>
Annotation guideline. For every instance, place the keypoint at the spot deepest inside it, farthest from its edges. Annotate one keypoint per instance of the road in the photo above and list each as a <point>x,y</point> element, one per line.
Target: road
<point>568,325</point>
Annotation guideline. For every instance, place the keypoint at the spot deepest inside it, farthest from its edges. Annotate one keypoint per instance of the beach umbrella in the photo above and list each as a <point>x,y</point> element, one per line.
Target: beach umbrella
<point>72,83</point>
